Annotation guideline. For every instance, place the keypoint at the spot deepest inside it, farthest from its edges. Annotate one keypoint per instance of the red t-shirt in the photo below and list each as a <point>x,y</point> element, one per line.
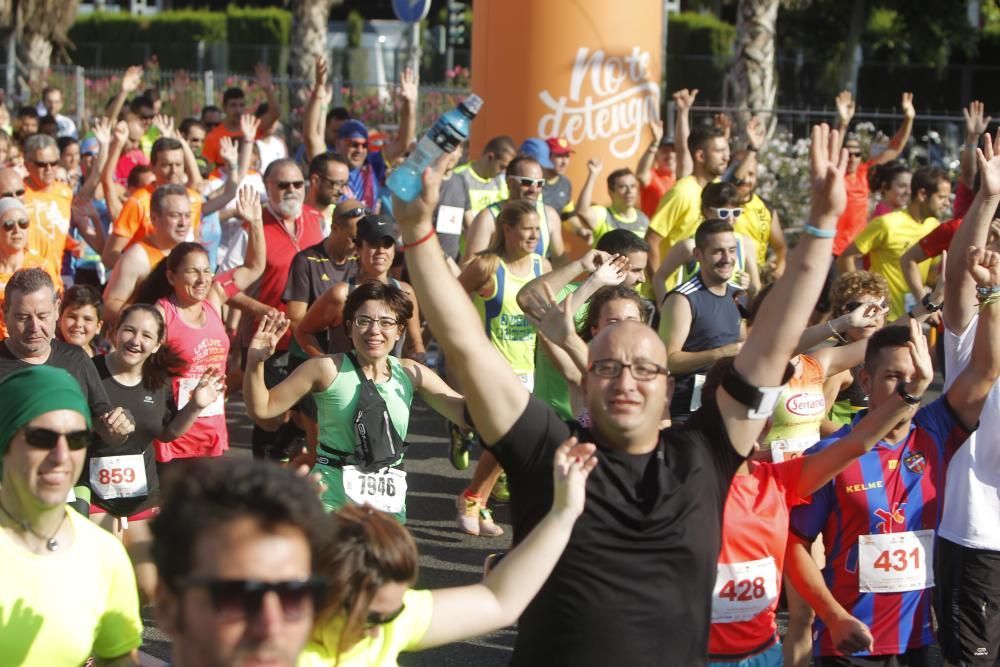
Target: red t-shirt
<point>963,200</point>
<point>856,213</point>
<point>281,249</point>
<point>752,558</point>
<point>938,240</point>
<point>650,195</point>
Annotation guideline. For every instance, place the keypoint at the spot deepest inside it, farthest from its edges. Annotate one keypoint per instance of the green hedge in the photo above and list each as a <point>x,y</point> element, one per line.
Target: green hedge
<point>258,25</point>
<point>699,49</point>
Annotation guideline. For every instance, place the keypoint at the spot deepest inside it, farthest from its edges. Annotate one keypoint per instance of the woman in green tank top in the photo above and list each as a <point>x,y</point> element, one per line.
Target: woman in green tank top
<point>375,315</point>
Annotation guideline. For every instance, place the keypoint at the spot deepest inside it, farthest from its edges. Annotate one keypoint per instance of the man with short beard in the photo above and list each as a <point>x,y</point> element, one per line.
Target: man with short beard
<point>328,176</point>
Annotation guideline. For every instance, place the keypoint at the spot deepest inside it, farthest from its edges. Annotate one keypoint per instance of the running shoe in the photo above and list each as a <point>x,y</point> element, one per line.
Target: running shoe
<point>468,514</point>
<point>487,528</point>
<point>501,492</point>
<point>461,444</point>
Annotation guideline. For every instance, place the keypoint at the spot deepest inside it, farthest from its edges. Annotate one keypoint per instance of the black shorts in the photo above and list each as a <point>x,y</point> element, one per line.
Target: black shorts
<point>967,602</point>
<point>915,657</point>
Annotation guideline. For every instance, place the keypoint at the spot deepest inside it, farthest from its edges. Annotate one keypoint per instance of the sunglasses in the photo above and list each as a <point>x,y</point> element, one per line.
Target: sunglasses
<point>356,212</point>
<point>851,306</point>
<point>375,618</point>
<point>41,164</point>
<point>238,599</point>
<point>854,153</point>
<point>144,116</point>
<point>8,225</point>
<point>14,193</point>
<point>43,438</point>
<point>291,185</point>
<point>727,213</point>
<point>358,144</point>
<point>529,182</point>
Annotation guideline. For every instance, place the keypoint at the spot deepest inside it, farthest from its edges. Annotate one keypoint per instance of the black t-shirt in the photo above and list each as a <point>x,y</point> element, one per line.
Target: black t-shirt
<point>71,358</point>
<point>313,272</point>
<point>151,410</point>
<point>634,585</point>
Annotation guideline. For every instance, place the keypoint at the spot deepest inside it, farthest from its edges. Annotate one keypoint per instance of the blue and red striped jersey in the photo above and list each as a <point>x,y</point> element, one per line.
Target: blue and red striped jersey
<point>894,488</point>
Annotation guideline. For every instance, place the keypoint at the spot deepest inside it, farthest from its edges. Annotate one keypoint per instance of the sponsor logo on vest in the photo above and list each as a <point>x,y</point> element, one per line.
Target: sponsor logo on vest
<point>621,101</point>
<point>805,405</point>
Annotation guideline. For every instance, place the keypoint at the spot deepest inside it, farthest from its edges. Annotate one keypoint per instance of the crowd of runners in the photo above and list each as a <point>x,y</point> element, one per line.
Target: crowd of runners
<point>694,420</point>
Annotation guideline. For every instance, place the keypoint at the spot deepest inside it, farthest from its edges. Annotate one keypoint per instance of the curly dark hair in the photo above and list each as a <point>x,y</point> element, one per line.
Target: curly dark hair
<point>849,286</point>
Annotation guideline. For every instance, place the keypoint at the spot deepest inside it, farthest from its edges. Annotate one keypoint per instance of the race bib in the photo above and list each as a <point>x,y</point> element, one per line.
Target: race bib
<point>699,382</point>
<point>449,219</point>
<point>744,590</point>
<point>792,448</point>
<point>119,476</point>
<point>527,380</point>
<point>896,563</point>
<point>384,490</point>
<point>186,387</point>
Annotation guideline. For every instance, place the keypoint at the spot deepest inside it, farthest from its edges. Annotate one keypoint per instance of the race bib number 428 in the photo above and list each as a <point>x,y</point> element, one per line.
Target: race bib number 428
<point>744,590</point>
<point>896,562</point>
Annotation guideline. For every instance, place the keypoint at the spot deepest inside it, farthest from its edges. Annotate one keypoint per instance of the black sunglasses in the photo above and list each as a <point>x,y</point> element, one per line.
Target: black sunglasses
<point>43,438</point>
<point>356,212</point>
<point>8,225</point>
<point>375,618</point>
<point>234,599</point>
<point>294,185</point>
<point>14,193</point>
<point>42,164</point>
<point>851,306</point>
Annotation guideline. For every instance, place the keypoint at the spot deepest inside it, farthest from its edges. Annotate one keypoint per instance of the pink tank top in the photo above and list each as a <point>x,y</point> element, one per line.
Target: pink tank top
<point>201,348</point>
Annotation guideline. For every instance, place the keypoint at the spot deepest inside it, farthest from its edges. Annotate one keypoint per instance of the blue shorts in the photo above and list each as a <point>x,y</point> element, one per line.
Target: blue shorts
<point>772,657</point>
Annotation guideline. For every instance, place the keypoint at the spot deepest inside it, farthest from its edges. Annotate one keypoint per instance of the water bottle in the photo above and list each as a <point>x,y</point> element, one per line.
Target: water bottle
<point>449,131</point>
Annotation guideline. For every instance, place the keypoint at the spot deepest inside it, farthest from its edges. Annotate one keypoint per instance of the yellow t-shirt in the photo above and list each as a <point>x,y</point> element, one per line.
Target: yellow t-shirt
<point>380,651</point>
<point>677,216</point>
<point>884,240</point>
<point>63,608</point>
<point>755,224</point>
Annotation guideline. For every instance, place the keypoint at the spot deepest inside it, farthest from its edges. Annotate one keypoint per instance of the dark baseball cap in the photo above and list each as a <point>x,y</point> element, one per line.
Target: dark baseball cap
<point>375,227</point>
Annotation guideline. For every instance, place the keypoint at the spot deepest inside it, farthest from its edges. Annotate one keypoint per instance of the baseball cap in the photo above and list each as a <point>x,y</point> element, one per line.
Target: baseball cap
<point>538,149</point>
<point>89,146</point>
<point>376,226</point>
<point>349,208</point>
<point>352,129</point>
<point>559,146</point>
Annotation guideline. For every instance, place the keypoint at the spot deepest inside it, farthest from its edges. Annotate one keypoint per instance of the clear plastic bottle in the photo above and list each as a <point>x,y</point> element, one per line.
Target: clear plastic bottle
<point>449,131</point>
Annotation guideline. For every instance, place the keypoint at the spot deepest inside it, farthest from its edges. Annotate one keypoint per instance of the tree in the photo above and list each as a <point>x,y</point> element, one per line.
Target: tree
<point>751,84</point>
<point>309,29</point>
<point>39,27</point>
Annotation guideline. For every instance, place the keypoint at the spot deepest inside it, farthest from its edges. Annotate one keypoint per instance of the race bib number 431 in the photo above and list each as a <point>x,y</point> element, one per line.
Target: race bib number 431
<point>744,590</point>
<point>896,562</point>
<point>384,490</point>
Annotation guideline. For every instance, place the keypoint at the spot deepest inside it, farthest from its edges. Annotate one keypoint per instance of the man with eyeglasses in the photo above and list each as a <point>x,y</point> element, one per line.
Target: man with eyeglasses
<point>57,614</point>
<point>15,254</point>
<point>328,176</point>
<point>525,180</point>
<point>47,199</point>
<point>235,545</point>
<point>858,192</point>
<point>641,562</point>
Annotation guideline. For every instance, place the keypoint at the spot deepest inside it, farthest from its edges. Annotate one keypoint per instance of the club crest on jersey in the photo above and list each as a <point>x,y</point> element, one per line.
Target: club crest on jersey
<point>915,462</point>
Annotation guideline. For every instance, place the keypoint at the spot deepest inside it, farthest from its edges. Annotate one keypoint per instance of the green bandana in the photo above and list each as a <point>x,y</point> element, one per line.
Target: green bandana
<point>33,391</point>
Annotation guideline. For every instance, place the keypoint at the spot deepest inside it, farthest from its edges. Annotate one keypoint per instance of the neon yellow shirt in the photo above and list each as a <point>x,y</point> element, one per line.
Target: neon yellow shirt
<point>755,224</point>
<point>380,651</point>
<point>482,191</point>
<point>62,608</point>
<point>506,324</point>
<point>677,217</point>
<point>608,219</point>
<point>884,240</point>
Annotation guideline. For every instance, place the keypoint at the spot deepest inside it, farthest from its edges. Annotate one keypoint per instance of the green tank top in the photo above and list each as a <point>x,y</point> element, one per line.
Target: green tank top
<point>336,406</point>
<point>550,385</point>
<point>542,247</point>
<point>506,324</point>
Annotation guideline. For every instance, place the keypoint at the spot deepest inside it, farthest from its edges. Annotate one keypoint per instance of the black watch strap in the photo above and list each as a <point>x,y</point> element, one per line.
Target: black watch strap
<point>909,399</point>
<point>930,305</point>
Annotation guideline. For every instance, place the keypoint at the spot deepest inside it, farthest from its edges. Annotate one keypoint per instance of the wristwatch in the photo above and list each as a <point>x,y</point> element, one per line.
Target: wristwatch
<point>930,305</point>
<point>760,401</point>
<point>907,398</point>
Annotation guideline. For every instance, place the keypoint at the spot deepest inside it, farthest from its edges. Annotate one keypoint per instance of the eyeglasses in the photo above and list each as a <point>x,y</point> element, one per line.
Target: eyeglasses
<point>291,185</point>
<point>643,371</point>
<point>855,153</point>
<point>43,438</point>
<point>13,193</point>
<point>8,225</point>
<point>376,618</point>
<point>332,182</point>
<point>529,182</point>
<point>384,323</point>
<point>726,213</point>
<point>147,116</point>
<point>236,599</point>
<point>357,144</point>
<point>851,306</point>
<point>355,212</point>
<point>42,164</point>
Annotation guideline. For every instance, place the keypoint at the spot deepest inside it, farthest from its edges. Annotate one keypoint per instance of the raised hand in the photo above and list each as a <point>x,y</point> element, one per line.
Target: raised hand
<point>594,165</point>
<point>165,124</point>
<point>571,465</point>
<point>684,98</point>
<point>845,106</point>
<point>408,85</point>
<point>263,76</point>
<point>120,133</point>
<point>210,386</point>
<point>265,340</point>
<point>984,267</point>
<point>826,171</point>
<point>228,151</point>
<point>975,121</point>
<point>248,205</point>
<point>249,124</point>
<point>923,370</point>
<point>724,123</point>
<point>102,131</point>
<point>132,79</point>
<point>421,209</point>
<point>756,133</point>
<point>319,74</point>
<point>612,272</point>
<point>866,315</point>
<point>552,319</point>
<point>989,165</point>
<point>592,259</point>
<point>906,104</point>
<point>656,129</point>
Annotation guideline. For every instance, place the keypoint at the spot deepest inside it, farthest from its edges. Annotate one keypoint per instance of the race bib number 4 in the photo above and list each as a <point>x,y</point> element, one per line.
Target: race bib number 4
<point>384,490</point>
<point>186,387</point>
<point>896,563</point>
<point>744,590</point>
<point>449,219</point>
<point>119,476</point>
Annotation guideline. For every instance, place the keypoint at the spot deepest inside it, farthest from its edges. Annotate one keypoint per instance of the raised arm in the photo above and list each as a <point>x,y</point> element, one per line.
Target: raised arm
<point>756,134</point>
<point>229,153</point>
<point>560,277</point>
<point>407,134</point>
<point>865,315</point>
<point>845,112</point>
<point>314,123</point>
<point>210,386</point>
<point>973,232</point>
<point>778,245</point>
<point>249,210</point>
<point>130,83</point>
<point>102,132</point>
<point>266,83</point>
<point>436,393</point>
<point>976,123</point>
<point>584,199</point>
<point>494,396</point>
<point>683,101</point>
<point>763,360</point>
<point>112,191</point>
<point>898,141</point>
<point>644,169</point>
<point>509,587</point>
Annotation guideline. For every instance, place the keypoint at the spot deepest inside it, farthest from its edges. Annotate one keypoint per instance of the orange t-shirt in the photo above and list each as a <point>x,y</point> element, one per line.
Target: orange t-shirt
<point>856,214</point>
<point>651,194</point>
<point>210,149</point>
<point>49,213</point>
<point>134,222</point>
<point>31,261</point>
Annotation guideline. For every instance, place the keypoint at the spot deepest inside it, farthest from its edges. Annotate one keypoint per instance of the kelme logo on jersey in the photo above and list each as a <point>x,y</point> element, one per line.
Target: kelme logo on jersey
<point>610,97</point>
<point>805,404</point>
